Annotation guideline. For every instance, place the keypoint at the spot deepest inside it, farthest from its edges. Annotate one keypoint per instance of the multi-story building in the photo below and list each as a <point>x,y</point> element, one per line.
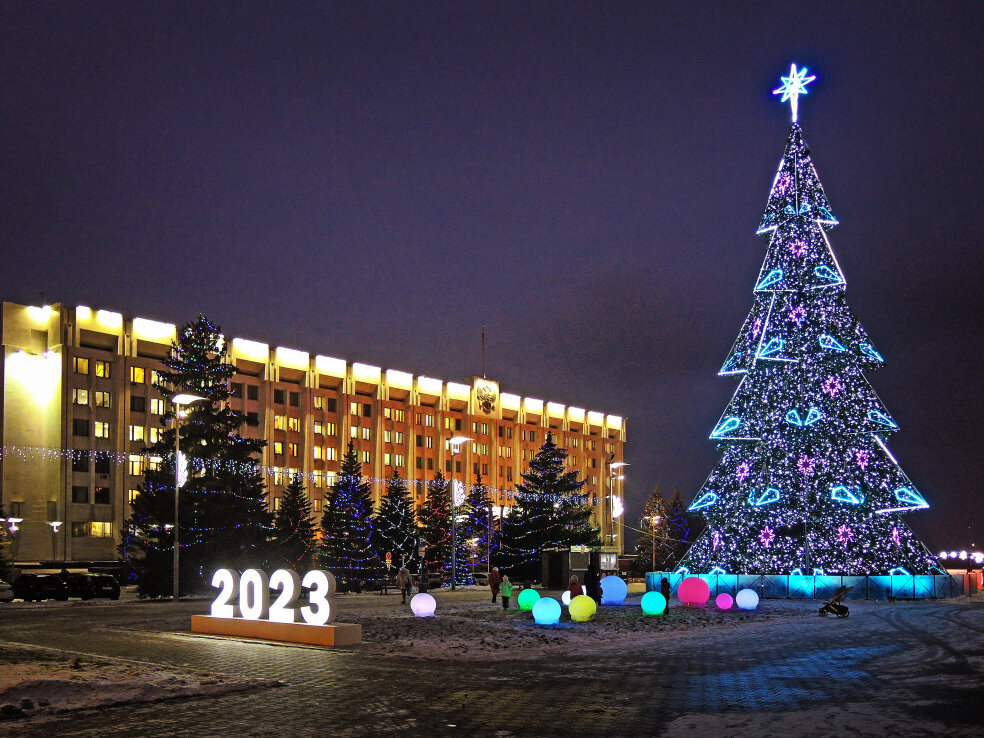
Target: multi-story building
<point>79,407</point>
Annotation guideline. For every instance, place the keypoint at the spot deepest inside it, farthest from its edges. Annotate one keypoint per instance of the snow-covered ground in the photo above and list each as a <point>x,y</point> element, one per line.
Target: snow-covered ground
<point>39,681</point>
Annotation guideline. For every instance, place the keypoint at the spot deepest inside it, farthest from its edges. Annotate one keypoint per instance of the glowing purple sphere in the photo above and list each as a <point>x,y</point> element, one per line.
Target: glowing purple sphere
<point>724,601</point>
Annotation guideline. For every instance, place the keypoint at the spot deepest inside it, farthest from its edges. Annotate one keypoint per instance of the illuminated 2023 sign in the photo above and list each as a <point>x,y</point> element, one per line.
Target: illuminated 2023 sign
<point>249,593</point>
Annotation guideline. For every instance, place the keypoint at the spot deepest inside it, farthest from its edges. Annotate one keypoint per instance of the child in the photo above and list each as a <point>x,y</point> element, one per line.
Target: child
<point>574,588</point>
<point>505,589</point>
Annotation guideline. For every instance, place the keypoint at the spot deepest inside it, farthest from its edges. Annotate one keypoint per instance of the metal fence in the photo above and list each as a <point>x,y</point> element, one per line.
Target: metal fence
<point>821,587</point>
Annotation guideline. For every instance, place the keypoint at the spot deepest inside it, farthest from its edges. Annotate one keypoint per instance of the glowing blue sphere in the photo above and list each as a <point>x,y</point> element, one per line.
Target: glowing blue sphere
<point>613,590</point>
<point>747,599</point>
<point>546,611</point>
<point>423,605</point>
<point>653,603</point>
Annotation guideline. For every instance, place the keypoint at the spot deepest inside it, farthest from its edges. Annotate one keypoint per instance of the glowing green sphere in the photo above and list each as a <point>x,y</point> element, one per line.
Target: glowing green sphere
<point>527,598</point>
<point>653,603</point>
<point>582,609</point>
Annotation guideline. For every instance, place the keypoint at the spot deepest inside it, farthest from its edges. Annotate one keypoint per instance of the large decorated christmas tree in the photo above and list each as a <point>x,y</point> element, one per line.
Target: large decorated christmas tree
<point>806,483</point>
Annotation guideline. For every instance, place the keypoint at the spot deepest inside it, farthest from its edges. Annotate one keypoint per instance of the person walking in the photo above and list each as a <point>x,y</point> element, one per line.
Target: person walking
<point>592,583</point>
<point>403,582</point>
<point>505,589</point>
<point>664,589</point>
<point>494,581</point>
<point>422,581</point>
<point>574,588</point>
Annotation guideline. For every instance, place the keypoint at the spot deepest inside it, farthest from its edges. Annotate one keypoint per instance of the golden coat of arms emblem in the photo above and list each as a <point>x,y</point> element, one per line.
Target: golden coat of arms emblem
<point>486,394</point>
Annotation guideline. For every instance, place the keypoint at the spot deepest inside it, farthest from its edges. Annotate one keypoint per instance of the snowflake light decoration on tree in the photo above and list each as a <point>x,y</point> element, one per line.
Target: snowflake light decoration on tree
<point>806,465</point>
<point>767,536</point>
<point>896,538</point>
<point>798,314</point>
<point>798,248</point>
<point>844,535</point>
<point>863,458</point>
<point>743,470</point>
<point>716,540</point>
<point>832,386</point>
<point>756,327</point>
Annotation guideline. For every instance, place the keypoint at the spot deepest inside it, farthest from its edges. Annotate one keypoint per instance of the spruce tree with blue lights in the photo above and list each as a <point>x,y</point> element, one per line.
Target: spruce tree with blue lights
<point>346,526</point>
<point>550,512</point>
<point>224,517</point>
<point>478,527</point>
<point>434,517</point>
<point>394,525</point>
<point>294,540</point>
<point>806,483</point>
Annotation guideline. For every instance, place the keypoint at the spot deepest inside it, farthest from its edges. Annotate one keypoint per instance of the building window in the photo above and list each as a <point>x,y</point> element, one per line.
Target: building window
<point>293,448</point>
<point>418,440</point>
<point>155,378</point>
<point>103,399</point>
<point>483,449</point>
<point>236,390</point>
<point>96,530</point>
<point>480,428</point>
<point>367,434</point>
<point>319,402</point>
<point>278,448</point>
<point>318,479</point>
<point>102,369</point>
<point>278,475</point>
<point>331,454</point>
<point>102,463</point>
<point>293,424</point>
<point>398,460</point>
<point>276,504</point>
<point>132,495</point>
<point>135,464</point>
<point>101,429</point>
<point>280,422</point>
<point>354,431</point>
<point>420,462</point>
<point>101,496</point>
<point>331,429</point>
<point>154,463</point>
<point>398,437</point>
<point>316,505</point>
<point>429,421</point>
<point>533,436</point>
<point>430,464</point>
<point>295,399</point>
<point>429,442</point>
<point>417,418</point>
<point>157,406</point>
<point>278,396</point>
<point>155,434</point>
<point>387,436</point>
<point>395,414</point>
<point>317,452</point>
<point>80,495</point>
<point>80,396</point>
<point>80,365</point>
<point>505,432</point>
<point>80,427</point>
<point>457,467</point>
<point>353,408</point>
<point>252,418</point>
<point>252,392</point>
<point>138,404</point>
<point>388,459</point>
<point>366,457</point>
<point>319,428</point>
<point>367,410</point>
<point>80,460</point>
<point>136,432</point>
<point>138,375</point>
<point>331,405</point>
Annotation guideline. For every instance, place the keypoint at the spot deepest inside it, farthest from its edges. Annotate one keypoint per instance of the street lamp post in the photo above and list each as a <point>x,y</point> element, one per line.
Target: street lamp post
<point>656,520</point>
<point>183,398</point>
<point>612,476</point>
<point>455,445</point>
<point>55,524</point>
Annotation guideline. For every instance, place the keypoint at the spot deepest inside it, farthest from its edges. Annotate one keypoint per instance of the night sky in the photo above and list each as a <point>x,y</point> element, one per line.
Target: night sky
<point>376,180</point>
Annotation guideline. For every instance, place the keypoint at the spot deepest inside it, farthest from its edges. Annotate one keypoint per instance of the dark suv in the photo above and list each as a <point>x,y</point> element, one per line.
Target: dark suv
<point>39,587</point>
<point>88,586</point>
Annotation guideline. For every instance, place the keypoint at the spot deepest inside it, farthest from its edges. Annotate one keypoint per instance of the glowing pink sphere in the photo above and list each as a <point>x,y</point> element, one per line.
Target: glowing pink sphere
<point>693,592</point>
<point>724,601</point>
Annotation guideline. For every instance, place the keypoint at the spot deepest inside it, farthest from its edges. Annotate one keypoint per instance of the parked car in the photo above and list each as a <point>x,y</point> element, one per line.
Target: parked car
<point>6,592</point>
<point>481,578</point>
<point>89,586</point>
<point>39,587</point>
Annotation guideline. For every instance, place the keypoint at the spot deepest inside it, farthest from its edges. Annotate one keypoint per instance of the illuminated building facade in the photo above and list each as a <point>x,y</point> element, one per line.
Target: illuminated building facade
<point>79,406</point>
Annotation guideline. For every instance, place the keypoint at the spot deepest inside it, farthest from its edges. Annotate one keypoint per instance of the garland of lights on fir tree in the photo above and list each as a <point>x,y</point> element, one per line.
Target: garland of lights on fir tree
<point>224,517</point>
<point>294,535</point>
<point>346,526</point>
<point>434,519</point>
<point>478,525</point>
<point>806,483</point>
<point>394,525</point>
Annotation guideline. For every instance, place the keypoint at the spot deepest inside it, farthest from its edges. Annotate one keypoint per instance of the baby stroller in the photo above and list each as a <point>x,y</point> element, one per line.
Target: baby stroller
<point>834,606</point>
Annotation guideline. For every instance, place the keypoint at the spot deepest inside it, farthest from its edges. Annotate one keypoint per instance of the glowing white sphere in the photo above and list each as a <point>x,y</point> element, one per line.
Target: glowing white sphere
<point>963,555</point>
<point>423,605</point>
<point>943,554</point>
<point>747,599</point>
<point>613,590</point>
<point>566,597</point>
<point>546,611</point>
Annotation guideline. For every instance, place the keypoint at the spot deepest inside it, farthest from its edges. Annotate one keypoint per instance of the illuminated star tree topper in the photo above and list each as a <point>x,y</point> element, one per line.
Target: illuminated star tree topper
<point>793,86</point>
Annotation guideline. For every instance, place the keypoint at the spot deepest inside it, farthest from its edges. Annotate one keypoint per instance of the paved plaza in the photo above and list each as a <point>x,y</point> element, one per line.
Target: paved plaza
<point>905,668</point>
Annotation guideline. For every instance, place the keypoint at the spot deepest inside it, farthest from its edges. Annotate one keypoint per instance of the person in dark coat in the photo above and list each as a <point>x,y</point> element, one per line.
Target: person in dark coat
<point>664,588</point>
<point>593,583</point>
<point>495,579</point>
<point>422,583</point>
<point>574,589</point>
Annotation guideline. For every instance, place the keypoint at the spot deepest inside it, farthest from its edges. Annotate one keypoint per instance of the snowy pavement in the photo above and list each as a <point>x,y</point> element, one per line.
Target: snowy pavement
<point>904,668</point>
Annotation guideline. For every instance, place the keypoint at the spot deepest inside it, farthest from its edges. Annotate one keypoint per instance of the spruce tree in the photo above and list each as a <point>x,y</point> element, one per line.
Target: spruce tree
<point>679,521</point>
<point>550,511</point>
<point>294,539</point>
<point>806,483</point>
<point>224,518</point>
<point>394,525</point>
<point>477,526</point>
<point>655,526</point>
<point>347,527</point>
<point>434,517</point>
